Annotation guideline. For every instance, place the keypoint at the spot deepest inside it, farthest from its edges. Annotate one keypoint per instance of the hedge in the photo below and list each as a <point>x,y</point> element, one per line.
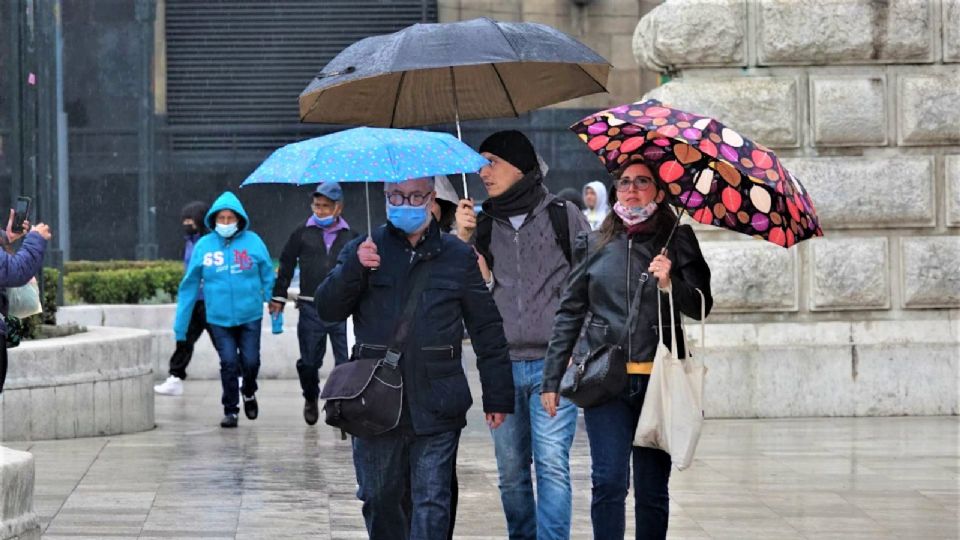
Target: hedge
<point>122,282</point>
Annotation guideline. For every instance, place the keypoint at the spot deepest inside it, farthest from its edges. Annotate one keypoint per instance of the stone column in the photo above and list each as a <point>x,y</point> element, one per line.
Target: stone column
<point>17,519</point>
<point>861,100</point>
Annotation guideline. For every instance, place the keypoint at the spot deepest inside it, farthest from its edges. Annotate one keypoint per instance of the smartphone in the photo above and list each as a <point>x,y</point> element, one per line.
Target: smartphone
<point>20,213</point>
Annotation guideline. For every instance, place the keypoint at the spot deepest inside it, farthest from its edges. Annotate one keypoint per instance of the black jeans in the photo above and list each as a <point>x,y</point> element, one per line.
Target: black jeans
<point>610,429</point>
<point>180,358</point>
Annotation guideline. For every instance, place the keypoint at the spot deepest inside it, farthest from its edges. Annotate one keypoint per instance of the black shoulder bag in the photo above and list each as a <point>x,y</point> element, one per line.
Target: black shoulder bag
<point>600,375</point>
<point>364,397</point>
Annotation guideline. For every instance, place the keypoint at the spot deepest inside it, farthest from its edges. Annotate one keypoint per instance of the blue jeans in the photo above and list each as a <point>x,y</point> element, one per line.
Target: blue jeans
<point>239,350</point>
<point>312,334</point>
<point>528,436</point>
<point>610,429</point>
<point>405,483</point>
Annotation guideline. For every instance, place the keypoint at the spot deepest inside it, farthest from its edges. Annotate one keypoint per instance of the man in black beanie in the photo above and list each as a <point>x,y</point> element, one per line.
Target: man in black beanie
<point>525,234</point>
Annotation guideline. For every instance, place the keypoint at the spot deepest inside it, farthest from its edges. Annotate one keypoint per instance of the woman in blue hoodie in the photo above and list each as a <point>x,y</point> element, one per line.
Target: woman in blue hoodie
<point>235,268</point>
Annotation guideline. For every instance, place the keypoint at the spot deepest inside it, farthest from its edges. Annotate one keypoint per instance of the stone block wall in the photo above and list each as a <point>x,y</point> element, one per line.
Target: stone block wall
<point>861,99</point>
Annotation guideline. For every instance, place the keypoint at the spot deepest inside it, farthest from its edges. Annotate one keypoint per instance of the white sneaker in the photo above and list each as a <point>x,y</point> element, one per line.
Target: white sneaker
<point>173,386</point>
<point>239,382</point>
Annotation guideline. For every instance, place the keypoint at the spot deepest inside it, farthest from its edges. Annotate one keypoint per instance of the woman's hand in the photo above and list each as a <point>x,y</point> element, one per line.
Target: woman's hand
<point>550,401</point>
<point>660,268</point>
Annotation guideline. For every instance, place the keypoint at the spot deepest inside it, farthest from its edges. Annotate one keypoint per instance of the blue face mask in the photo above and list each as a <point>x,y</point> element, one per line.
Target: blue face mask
<point>407,218</point>
<point>226,231</point>
<point>322,222</point>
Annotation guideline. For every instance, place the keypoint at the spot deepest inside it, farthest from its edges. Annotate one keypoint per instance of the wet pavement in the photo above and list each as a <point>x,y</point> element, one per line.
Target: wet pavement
<point>849,478</point>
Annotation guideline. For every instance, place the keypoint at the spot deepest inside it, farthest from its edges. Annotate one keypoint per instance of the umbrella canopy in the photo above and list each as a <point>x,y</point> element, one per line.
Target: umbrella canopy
<point>707,169</point>
<point>367,155</point>
<point>435,73</point>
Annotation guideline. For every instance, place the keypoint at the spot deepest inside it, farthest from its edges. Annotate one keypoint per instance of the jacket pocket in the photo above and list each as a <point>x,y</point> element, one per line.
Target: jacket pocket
<point>449,395</point>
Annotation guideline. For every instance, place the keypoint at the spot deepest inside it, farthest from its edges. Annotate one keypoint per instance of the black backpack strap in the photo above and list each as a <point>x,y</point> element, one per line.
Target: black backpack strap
<point>418,282</point>
<point>484,233</point>
<point>561,226</point>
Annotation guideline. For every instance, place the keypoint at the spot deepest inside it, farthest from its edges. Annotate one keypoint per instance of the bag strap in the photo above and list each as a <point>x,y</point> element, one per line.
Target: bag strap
<point>673,323</point>
<point>560,221</point>
<point>407,316</point>
<point>634,316</point>
<point>703,319</point>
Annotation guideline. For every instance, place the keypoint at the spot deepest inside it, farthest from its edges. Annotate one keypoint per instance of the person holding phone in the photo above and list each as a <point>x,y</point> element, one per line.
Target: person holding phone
<point>17,267</point>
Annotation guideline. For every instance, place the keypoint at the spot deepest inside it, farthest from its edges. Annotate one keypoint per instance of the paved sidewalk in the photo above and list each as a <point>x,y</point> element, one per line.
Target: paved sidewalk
<point>849,478</point>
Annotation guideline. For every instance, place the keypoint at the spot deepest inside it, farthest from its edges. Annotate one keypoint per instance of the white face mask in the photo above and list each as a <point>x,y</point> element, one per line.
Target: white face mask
<point>226,231</point>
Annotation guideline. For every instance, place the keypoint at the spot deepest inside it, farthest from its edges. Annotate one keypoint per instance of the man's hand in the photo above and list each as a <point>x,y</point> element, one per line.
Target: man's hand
<point>550,401</point>
<point>494,419</point>
<point>367,253</point>
<point>274,307</point>
<point>14,236</point>
<point>466,220</point>
<point>42,229</point>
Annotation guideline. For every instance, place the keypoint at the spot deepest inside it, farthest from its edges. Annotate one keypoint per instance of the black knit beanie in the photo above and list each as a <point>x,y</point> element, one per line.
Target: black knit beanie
<point>513,147</point>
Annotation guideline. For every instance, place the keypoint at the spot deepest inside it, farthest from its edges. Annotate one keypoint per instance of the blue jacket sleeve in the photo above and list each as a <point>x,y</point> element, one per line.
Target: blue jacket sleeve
<point>188,292</point>
<point>16,270</point>
<point>337,296</point>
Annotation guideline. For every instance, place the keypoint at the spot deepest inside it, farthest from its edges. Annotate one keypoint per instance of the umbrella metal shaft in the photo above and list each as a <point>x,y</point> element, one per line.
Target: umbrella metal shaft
<point>456,113</point>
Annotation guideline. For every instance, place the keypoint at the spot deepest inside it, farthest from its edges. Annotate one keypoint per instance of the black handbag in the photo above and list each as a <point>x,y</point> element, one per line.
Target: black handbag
<point>364,397</point>
<point>600,375</point>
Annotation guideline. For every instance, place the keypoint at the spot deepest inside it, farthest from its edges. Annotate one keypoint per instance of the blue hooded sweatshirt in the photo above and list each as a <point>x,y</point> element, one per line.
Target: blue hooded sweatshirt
<point>236,272</point>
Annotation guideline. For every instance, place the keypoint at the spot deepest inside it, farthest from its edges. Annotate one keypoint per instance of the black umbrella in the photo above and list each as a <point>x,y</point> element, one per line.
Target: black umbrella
<point>436,73</point>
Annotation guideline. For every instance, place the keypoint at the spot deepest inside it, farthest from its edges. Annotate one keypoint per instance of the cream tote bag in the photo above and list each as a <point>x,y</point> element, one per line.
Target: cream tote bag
<point>672,414</point>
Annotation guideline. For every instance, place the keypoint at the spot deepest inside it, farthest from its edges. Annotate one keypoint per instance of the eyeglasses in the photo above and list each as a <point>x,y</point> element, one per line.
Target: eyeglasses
<point>624,184</point>
<point>416,198</point>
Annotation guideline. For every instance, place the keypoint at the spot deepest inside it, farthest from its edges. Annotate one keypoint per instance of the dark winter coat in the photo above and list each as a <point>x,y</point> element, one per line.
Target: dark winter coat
<point>307,248</point>
<point>435,386</point>
<point>604,288</point>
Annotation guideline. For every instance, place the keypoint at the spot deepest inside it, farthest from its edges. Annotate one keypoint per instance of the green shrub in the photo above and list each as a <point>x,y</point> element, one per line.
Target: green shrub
<point>95,266</point>
<point>124,285</point>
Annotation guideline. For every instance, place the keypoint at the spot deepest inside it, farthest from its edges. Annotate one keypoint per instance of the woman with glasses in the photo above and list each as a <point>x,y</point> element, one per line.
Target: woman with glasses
<point>628,251</point>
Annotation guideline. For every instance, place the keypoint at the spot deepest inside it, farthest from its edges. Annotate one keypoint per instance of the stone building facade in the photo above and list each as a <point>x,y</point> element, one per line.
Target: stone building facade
<point>861,99</point>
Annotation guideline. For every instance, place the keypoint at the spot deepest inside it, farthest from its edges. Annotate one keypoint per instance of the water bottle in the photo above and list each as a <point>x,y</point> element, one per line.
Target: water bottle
<point>277,319</point>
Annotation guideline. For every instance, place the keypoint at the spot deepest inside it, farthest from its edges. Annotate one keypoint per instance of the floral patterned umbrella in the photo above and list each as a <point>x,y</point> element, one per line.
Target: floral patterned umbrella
<point>705,168</point>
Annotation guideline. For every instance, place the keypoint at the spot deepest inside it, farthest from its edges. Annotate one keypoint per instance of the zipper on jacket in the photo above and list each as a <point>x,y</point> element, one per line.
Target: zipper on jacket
<point>516,242</point>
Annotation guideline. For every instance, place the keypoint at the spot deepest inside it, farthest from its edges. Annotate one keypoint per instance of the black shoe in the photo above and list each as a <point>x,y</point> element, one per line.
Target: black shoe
<point>311,412</point>
<point>229,420</point>
<point>250,407</point>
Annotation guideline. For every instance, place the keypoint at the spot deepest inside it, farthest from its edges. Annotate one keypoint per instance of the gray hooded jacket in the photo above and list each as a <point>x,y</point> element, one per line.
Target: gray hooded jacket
<point>530,272</point>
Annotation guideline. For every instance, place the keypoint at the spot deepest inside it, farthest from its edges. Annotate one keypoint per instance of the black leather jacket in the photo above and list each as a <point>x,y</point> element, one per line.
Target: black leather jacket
<point>603,285</point>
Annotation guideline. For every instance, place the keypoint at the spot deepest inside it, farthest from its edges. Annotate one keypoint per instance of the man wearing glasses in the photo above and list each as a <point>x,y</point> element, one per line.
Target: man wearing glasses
<point>409,267</point>
<point>314,246</point>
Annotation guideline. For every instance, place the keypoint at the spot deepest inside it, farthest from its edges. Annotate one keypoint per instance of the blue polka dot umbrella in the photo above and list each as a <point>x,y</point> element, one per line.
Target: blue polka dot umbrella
<point>367,155</point>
